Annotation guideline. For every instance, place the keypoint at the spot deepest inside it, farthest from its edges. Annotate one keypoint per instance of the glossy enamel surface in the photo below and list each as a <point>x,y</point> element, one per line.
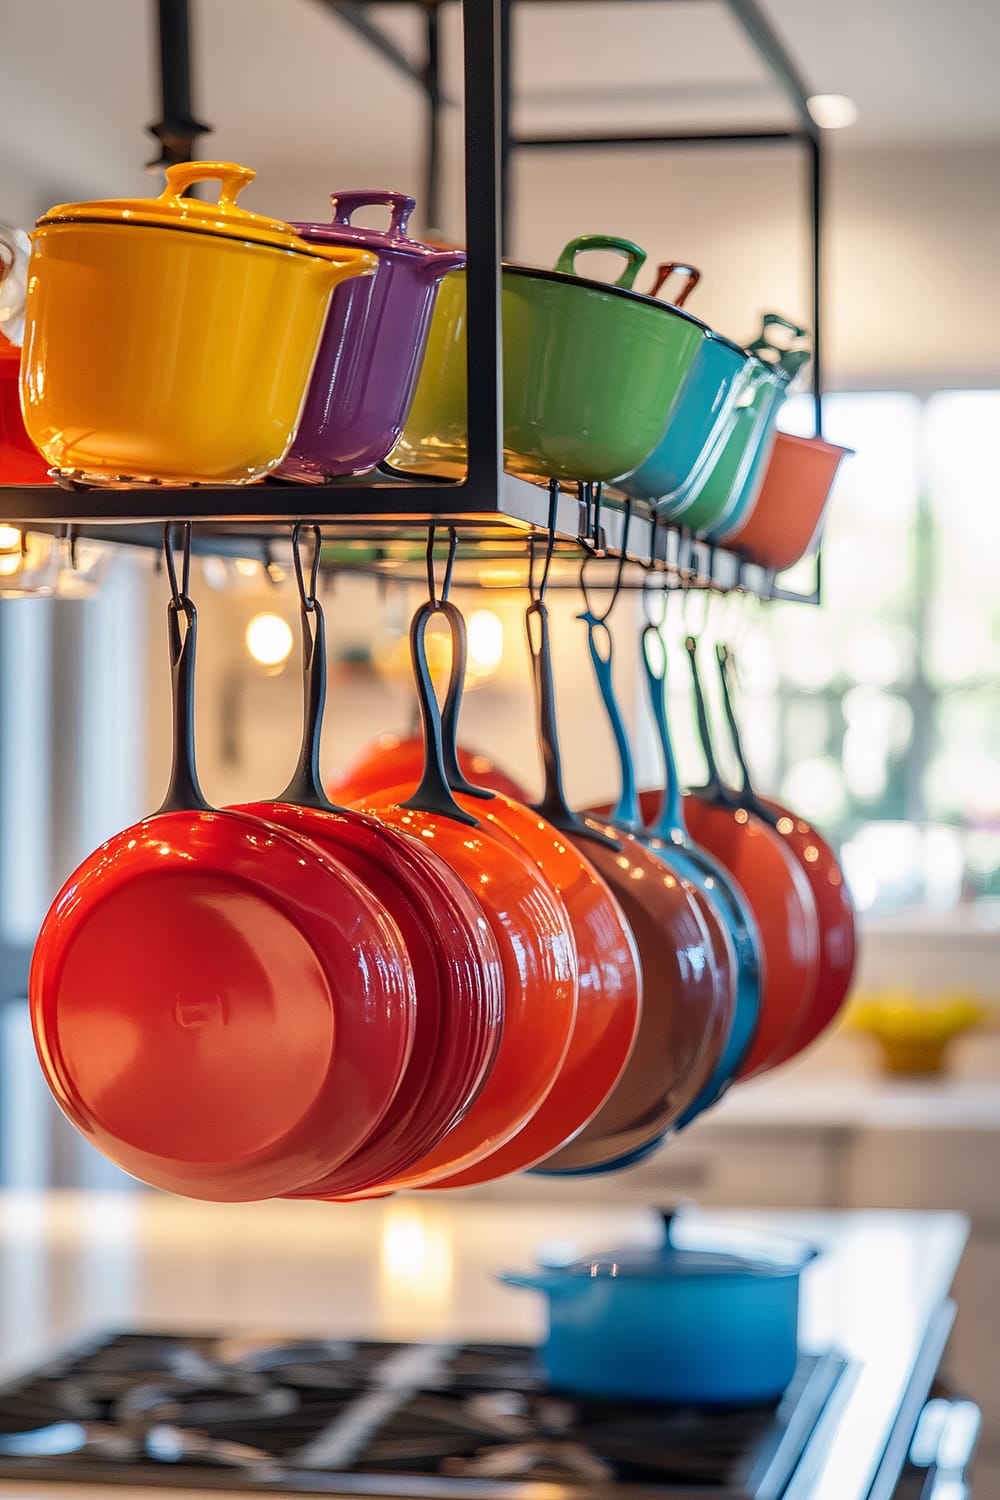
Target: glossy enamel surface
<point>393,761</point>
<point>837,924</point>
<point>372,345</point>
<point>532,931</point>
<point>170,339</point>
<point>458,979</point>
<point>589,377</point>
<point>785,912</point>
<point>221,1008</point>
<point>20,460</point>
<point>735,462</point>
<point>783,525</point>
<point>687,1006</point>
<point>610,994</point>
<point>698,415</point>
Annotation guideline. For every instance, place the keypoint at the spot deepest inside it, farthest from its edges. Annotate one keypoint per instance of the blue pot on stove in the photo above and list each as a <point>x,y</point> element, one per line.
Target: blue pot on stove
<point>712,1319</point>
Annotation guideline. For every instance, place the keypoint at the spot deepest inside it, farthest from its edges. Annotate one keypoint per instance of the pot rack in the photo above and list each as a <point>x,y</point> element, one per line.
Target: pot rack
<point>379,523</point>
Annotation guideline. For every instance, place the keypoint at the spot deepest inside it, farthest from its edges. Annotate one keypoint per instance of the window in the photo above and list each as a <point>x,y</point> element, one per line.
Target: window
<point>879,716</point>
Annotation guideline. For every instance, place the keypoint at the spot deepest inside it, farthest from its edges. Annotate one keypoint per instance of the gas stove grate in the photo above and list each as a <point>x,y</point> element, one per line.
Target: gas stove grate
<point>345,1417</point>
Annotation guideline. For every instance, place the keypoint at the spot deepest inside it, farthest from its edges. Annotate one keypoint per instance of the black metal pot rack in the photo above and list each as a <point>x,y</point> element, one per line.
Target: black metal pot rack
<point>379,523</point>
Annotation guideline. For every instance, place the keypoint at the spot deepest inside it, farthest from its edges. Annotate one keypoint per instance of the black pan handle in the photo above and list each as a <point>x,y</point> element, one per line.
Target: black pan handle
<point>184,793</point>
<point>553,805</point>
<point>433,795</point>
<point>747,796</point>
<point>306,786</point>
<point>453,703</point>
<point>305,789</point>
<point>715,789</point>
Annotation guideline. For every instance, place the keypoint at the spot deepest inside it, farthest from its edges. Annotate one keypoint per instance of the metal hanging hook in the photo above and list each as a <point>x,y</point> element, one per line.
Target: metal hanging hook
<point>435,599</point>
<point>619,575</point>
<point>661,591</point>
<point>536,591</point>
<point>180,595</point>
<point>307,596</point>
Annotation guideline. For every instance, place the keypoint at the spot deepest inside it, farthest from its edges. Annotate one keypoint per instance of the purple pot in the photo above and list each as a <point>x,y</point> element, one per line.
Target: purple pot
<point>372,345</point>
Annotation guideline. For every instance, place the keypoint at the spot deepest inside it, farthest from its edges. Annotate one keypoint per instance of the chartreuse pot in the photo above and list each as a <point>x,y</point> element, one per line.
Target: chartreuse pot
<point>169,339</point>
<point>591,370</point>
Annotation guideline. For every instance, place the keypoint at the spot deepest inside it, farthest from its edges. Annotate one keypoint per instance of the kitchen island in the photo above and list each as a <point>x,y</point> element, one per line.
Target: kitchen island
<point>421,1268</point>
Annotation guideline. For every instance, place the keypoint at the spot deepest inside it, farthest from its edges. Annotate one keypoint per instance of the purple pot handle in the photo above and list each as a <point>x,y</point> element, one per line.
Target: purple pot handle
<point>400,205</point>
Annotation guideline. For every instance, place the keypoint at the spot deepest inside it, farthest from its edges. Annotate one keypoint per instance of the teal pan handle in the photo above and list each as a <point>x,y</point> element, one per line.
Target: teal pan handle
<point>669,823</point>
<point>626,813</point>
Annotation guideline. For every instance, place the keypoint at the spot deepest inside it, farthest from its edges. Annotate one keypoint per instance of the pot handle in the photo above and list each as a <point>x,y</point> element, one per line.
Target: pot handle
<point>400,206</point>
<point>231,177</point>
<point>784,355</point>
<point>675,268</point>
<point>634,257</point>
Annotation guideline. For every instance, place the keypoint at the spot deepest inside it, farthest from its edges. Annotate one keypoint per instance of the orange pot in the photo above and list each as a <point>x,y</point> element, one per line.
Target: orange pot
<point>785,522</point>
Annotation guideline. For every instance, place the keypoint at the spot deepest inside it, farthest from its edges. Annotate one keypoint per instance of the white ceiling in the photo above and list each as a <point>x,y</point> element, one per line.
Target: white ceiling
<point>292,90</point>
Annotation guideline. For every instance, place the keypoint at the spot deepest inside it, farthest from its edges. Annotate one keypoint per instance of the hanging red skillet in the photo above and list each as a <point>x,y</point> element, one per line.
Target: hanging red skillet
<point>218,1006</point>
<point>532,928</point>
<point>680,991</point>
<point>449,942</point>
<point>834,908</point>
<point>396,761</point>
<point>778,892</point>
<point>609,981</point>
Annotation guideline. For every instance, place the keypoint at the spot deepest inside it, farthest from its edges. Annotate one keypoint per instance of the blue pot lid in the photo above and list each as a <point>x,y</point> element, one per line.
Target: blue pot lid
<point>723,1254</point>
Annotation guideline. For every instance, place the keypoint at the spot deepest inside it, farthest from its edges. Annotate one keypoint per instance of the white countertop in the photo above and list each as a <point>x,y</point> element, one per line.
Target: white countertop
<point>421,1268</point>
<point>808,1100</point>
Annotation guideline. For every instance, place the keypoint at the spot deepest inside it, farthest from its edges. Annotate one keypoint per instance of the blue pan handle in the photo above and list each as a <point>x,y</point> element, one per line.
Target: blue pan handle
<point>668,824</point>
<point>626,813</point>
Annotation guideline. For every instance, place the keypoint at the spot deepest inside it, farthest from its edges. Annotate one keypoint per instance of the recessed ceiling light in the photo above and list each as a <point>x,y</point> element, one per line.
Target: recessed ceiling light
<point>832,111</point>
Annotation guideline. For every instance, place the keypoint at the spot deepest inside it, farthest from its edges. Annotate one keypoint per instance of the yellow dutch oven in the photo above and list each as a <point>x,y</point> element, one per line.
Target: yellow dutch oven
<point>171,340</point>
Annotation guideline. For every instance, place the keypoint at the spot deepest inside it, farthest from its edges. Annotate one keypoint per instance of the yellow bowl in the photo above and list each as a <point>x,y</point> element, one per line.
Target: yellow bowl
<point>914,1033</point>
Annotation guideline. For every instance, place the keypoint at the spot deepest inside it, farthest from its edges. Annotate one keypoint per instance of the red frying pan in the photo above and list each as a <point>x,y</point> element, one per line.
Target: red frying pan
<point>455,960</point>
<point>532,929</point>
<point>818,863</point>
<point>776,888</point>
<point>609,980</point>
<point>218,1006</point>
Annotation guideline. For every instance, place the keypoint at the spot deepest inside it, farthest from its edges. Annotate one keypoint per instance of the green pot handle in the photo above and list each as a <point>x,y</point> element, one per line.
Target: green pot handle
<point>785,356</point>
<point>635,258</point>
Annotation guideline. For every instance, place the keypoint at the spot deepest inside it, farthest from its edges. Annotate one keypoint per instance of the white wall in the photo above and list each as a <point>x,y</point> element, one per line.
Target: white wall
<point>912,243</point>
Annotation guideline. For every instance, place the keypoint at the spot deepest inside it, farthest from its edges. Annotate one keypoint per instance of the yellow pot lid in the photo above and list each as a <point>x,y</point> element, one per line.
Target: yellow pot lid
<point>173,211</point>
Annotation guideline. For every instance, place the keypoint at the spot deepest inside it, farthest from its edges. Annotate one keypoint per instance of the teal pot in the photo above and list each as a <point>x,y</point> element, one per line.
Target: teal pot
<point>714,1320</point>
<point>591,370</point>
<point>730,479</point>
<point>697,418</point>
<point>737,447</point>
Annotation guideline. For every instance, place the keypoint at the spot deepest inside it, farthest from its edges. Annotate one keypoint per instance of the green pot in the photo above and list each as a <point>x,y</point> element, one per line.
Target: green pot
<point>590,373</point>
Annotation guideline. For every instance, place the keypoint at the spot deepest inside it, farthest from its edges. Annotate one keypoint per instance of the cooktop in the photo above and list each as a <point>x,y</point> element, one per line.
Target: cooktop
<point>340,1417</point>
